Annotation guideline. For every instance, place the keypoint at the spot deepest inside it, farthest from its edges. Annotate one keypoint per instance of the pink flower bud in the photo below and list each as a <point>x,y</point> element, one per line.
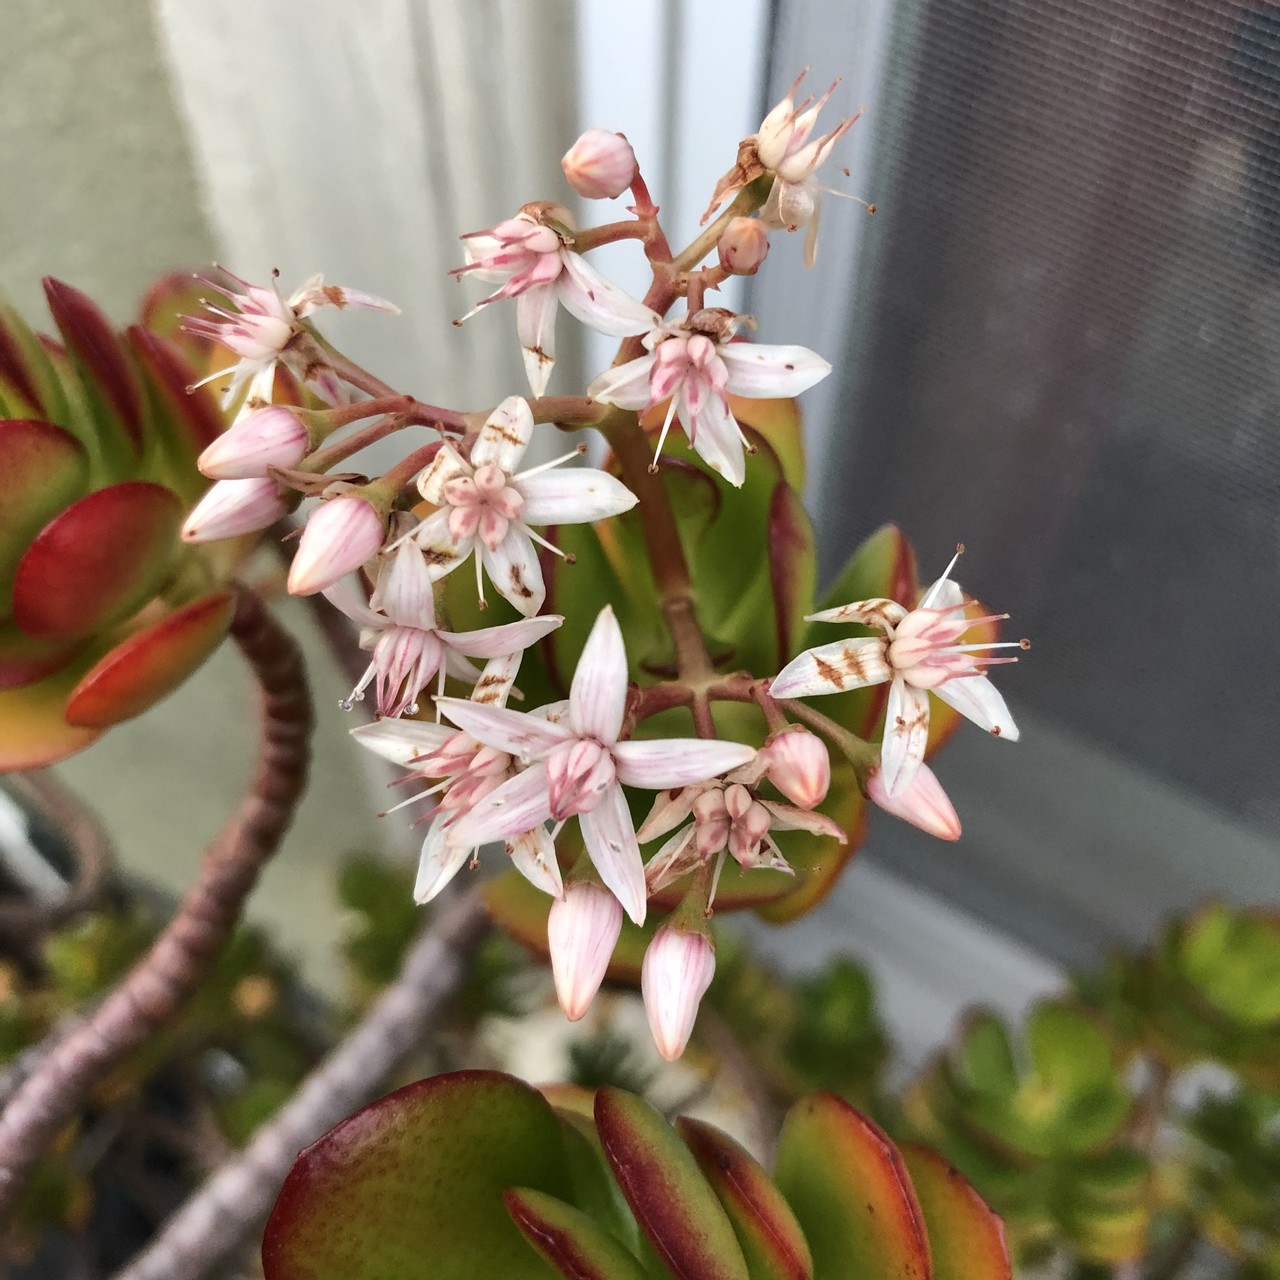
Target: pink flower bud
<point>744,246</point>
<point>799,767</point>
<point>270,437</point>
<point>233,507</point>
<point>582,930</point>
<point>340,536</point>
<point>675,976</point>
<point>600,165</point>
<point>924,804</point>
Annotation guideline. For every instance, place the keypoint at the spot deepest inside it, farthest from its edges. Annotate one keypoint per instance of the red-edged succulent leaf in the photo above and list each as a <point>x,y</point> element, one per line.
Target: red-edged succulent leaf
<point>42,469</point>
<point>151,663</point>
<point>966,1239</point>
<point>779,422</point>
<point>110,385</point>
<point>771,1239</point>
<point>673,1203</point>
<point>30,382</point>
<point>171,298</point>
<point>19,393</point>
<point>793,567</point>
<point>25,659</point>
<point>568,1239</point>
<point>33,729</point>
<point>410,1188</point>
<point>98,561</point>
<point>851,1193</point>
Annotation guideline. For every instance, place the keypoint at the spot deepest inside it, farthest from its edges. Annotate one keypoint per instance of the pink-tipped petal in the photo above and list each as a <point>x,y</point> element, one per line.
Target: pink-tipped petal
<point>923,803</point>
<point>521,735</point>
<point>906,734</point>
<point>533,855</point>
<point>976,698</point>
<point>626,386</point>
<point>582,931</point>
<point>402,741</point>
<point>598,694</point>
<point>611,841</point>
<point>660,763</point>
<point>520,804</point>
<point>677,970</point>
<point>439,863</point>
<point>572,496</point>
<point>833,668</point>
<point>440,549</point>
<point>404,592</point>
<point>494,642</point>
<point>762,372</point>
<point>444,468</point>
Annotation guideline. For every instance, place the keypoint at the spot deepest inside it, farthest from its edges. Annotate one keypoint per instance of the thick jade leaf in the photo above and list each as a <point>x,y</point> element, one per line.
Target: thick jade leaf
<point>793,567</point>
<point>25,659</point>
<point>171,298</point>
<point>19,395</point>
<point>110,387</point>
<point>33,729</point>
<point>568,1239</point>
<point>42,469</point>
<point>151,663</point>
<point>675,1207</point>
<point>983,1059</point>
<point>98,561</point>
<point>1069,1050</point>
<point>30,385</point>
<point>966,1239</point>
<point>771,1239</point>
<point>410,1188</point>
<point>851,1193</point>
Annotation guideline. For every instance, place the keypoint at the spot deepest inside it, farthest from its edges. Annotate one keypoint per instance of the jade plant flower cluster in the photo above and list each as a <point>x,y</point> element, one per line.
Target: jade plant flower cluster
<point>643,624</point>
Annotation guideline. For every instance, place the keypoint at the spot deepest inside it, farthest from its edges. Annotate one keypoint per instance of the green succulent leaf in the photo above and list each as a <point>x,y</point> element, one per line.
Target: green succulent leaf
<point>569,1239</point>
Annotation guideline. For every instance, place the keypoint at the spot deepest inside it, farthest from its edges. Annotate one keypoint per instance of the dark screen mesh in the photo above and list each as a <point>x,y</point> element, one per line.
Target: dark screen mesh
<point>1065,351</point>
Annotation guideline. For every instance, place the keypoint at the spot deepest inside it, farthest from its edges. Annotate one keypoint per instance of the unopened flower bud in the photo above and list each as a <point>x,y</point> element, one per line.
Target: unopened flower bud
<point>676,973</point>
<point>743,247</point>
<point>269,437</point>
<point>799,767</point>
<point>923,803</point>
<point>582,931</point>
<point>233,507</point>
<point>340,536</point>
<point>600,165</point>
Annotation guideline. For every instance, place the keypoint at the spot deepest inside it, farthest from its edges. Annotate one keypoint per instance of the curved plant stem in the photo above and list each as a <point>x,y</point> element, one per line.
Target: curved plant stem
<point>159,985</point>
<point>220,1219</point>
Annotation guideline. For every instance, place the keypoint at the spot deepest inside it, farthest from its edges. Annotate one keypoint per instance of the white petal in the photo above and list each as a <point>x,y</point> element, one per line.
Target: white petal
<point>442,554</point>
<point>521,735</point>
<point>536,328</point>
<point>497,680</point>
<point>669,810</point>
<point>677,857</point>
<point>534,857</point>
<point>555,712</point>
<point>598,302</point>
<point>515,572</point>
<point>573,495</point>
<point>759,371</point>
<point>626,385</point>
<point>504,436</point>
<point>978,699</point>
<point>402,741</point>
<point>440,862</point>
<point>598,693</point>
<point>714,434</point>
<point>404,591</point>
<point>660,763</point>
<point>348,595</point>
<point>906,733</point>
<point>611,841</point>
<point>459,667</point>
<point>445,466</point>
<point>493,642</point>
<point>519,805</point>
<point>877,612</point>
<point>852,663</point>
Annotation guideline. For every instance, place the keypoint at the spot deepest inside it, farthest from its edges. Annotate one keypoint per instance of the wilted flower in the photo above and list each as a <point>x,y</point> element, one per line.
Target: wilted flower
<point>578,767</point>
<point>539,269</point>
<point>600,165</point>
<point>677,970</point>
<point>695,365</point>
<point>919,653</point>
<point>485,509</point>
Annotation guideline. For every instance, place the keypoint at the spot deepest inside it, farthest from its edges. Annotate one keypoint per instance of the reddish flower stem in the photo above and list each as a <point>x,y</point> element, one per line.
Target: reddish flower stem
<point>157,988</point>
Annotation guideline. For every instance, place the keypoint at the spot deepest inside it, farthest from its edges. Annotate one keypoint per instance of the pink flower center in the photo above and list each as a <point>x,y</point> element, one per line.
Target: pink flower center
<point>483,505</point>
<point>924,647</point>
<point>578,775</point>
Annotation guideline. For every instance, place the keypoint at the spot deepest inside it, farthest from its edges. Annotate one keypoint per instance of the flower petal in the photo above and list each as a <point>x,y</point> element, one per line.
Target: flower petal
<point>906,733</point>
<point>713,432</point>
<point>611,841</point>
<point>404,591</point>
<point>497,679</point>
<point>978,699</point>
<point>534,857</point>
<point>598,693</point>
<point>348,595</point>
<point>514,570</point>
<point>659,763</point>
<point>877,612</point>
<point>445,466</point>
<point>760,371</point>
<point>518,805</point>
<point>789,817</point>
<point>493,642</point>
<point>402,741</point>
<point>669,810</point>
<point>439,549</point>
<point>521,735</point>
<point>852,663</point>
<point>572,495</point>
<point>599,303</point>
<point>626,385</point>
<point>441,860</point>
<point>536,328</point>
<point>504,436</point>
<point>677,857</point>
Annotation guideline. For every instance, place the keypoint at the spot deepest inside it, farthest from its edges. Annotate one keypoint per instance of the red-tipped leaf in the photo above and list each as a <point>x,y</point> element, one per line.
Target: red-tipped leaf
<point>568,1239</point>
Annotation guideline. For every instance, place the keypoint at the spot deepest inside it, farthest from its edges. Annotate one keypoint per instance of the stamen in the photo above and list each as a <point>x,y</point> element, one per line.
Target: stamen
<point>550,546</point>
<point>662,438</point>
<point>483,603</point>
<point>946,573</point>
<point>546,466</point>
<point>715,878</point>
<point>422,795</point>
